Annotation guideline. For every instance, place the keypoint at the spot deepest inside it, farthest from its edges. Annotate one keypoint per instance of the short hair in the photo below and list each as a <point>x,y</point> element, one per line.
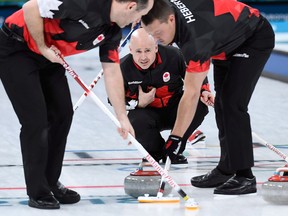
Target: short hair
<point>141,4</point>
<point>161,10</point>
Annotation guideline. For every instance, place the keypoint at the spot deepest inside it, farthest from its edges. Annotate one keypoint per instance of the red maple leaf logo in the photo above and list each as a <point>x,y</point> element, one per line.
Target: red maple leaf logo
<point>231,6</point>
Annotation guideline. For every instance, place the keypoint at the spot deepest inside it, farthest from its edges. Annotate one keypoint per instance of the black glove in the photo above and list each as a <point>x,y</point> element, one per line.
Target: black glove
<point>172,146</point>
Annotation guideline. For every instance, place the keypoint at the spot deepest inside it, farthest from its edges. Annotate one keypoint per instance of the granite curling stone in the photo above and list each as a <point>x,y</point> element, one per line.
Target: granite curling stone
<point>275,190</point>
<point>141,183</point>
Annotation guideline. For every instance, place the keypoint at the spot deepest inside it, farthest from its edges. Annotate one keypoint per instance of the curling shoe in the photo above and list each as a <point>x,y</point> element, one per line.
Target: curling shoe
<point>212,179</point>
<point>195,137</point>
<point>237,185</point>
<point>47,202</point>
<point>180,161</point>
<point>65,195</point>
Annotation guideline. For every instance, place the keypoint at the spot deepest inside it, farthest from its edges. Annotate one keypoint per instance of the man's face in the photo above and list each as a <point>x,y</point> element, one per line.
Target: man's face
<point>131,14</point>
<point>144,52</point>
<point>163,32</point>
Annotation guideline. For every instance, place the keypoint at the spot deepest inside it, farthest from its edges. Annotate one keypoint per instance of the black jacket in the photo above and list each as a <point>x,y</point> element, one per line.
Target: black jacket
<point>74,26</point>
<point>166,74</point>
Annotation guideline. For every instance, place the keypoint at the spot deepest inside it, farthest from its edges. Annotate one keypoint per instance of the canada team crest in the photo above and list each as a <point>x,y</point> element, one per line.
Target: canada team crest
<point>166,76</point>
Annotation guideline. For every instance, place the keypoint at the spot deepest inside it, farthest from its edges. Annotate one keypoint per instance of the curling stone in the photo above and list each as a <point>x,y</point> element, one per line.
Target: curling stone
<point>141,182</point>
<point>275,190</point>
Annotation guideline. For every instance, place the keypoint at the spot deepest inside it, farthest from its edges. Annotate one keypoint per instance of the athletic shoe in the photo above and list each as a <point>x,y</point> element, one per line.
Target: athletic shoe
<point>213,178</point>
<point>237,185</point>
<point>195,137</point>
<point>180,161</point>
<point>65,195</point>
<point>47,202</point>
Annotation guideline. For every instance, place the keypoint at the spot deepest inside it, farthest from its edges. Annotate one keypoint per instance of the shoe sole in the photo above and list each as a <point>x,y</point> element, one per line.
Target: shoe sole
<point>42,207</point>
<point>226,196</point>
<point>179,165</point>
<point>252,192</point>
<point>197,140</point>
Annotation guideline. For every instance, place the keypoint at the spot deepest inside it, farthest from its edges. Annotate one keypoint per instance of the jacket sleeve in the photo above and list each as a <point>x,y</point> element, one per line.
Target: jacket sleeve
<point>131,99</point>
<point>205,85</point>
<point>131,102</point>
<point>198,60</point>
<point>182,70</point>
<point>181,64</point>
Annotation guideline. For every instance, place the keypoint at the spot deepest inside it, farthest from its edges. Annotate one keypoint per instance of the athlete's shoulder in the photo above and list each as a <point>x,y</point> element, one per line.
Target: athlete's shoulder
<point>169,51</point>
<point>126,63</point>
<point>126,59</point>
<point>170,48</point>
<point>90,11</point>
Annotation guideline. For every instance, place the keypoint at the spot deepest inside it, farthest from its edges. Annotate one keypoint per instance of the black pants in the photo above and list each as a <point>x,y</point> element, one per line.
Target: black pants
<point>235,80</point>
<point>149,122</point>
<point>39,93</point>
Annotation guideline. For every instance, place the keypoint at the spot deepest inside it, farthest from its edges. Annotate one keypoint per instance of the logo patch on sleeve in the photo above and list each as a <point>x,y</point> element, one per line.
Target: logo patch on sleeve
<point>98,39</point>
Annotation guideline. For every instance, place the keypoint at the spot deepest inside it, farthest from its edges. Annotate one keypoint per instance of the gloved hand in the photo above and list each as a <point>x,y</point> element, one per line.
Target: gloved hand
<point>172,146</point>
